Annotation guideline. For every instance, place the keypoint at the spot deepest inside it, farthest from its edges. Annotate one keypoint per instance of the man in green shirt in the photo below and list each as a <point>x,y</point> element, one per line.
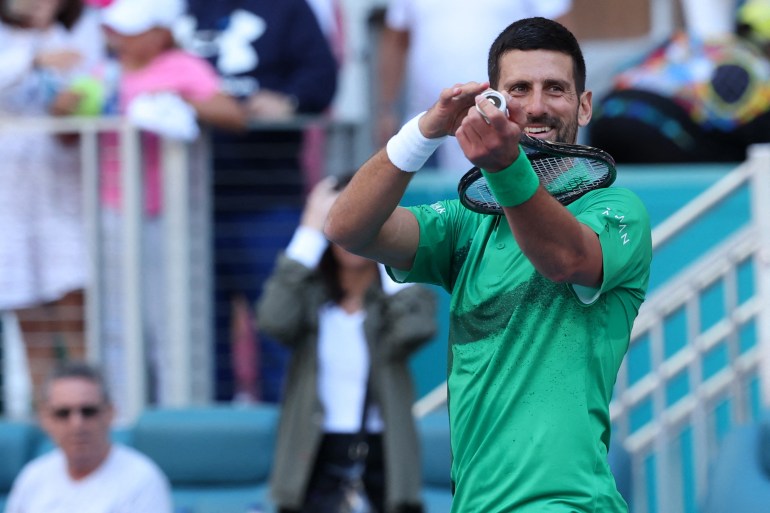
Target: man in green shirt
<point>543,298</point>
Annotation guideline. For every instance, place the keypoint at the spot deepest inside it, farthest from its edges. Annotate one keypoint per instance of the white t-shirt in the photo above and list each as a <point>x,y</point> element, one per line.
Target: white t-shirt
<point>449,43</point>
<point>343,369</point>
<point>127,482</point>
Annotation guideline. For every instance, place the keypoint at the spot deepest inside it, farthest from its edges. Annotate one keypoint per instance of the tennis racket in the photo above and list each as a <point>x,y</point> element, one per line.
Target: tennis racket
<point>567,171</point>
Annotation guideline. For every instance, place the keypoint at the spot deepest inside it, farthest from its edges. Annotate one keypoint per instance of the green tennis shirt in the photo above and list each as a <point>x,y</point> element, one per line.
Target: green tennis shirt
<point>532,363</point>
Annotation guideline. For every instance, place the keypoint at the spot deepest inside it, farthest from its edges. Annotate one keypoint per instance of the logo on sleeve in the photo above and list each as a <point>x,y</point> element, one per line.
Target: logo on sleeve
<point>622,227</point>
<point>438,207</point>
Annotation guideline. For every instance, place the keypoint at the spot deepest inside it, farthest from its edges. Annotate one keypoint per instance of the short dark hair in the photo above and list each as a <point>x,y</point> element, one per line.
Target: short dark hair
<point>68,14</point>
<point>329,267</point>
<point>76,369</point>
<point>537,34</point>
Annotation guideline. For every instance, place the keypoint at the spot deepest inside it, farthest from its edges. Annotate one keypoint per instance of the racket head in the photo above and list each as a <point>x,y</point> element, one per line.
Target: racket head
<point>567,171</point>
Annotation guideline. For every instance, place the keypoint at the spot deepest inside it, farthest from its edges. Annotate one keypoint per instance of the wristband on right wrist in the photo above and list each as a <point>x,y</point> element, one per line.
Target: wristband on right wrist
<point>408,150</point>
<point>515,184</point>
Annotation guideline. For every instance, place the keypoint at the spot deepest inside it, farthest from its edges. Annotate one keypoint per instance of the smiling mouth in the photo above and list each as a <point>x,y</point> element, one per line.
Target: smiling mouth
<point>531,130</point>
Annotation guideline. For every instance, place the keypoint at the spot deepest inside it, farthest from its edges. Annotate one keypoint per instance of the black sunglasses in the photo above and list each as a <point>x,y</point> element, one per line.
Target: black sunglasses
<point>88,411</point>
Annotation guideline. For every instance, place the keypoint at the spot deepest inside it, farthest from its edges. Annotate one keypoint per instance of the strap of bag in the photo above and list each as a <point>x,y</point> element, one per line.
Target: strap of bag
<point>359,449</point>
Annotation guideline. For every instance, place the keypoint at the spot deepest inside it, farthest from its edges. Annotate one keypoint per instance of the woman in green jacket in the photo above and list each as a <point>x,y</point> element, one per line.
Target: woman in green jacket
<point>349,328</point>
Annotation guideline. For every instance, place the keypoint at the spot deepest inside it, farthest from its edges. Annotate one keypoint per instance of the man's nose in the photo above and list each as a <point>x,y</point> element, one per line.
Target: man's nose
<point>534,104</point>
<point>76,418</point>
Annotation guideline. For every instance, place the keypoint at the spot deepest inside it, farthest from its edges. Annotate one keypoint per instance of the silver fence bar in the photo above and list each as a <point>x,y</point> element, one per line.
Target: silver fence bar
<point>133,315</point>
<point>200,282</point>
<point>89,156</point>
<point>176,186</point>
<point>759,156</point>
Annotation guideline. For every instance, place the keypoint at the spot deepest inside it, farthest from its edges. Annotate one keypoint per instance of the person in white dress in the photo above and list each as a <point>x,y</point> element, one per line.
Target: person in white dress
<point>44,46</point>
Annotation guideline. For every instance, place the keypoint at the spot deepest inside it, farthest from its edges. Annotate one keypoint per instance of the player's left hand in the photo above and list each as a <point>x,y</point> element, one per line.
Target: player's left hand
<point>488,137</point>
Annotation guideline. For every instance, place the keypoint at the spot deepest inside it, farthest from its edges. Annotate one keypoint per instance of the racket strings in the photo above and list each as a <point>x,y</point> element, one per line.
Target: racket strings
<point>563,177</point>
<point>569,176</point>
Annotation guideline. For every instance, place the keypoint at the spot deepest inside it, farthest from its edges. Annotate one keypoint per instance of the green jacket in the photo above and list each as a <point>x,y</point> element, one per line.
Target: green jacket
<point>395,327</point>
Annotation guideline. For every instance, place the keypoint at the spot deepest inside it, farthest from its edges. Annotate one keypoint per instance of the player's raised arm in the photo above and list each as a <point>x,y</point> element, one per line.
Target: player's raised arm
<point>366,218</point>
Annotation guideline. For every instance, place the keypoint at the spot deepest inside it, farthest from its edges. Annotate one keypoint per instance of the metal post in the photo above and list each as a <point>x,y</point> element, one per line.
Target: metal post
<point>176,187</point>
<point>133,317</point>
<point>759,156</point>
<point>201,279</point>
<point>89,157</point>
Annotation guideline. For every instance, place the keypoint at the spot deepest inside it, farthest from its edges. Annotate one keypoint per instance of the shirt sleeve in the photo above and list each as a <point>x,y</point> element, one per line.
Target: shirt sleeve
<point>197,78</point>
<point>398,15</point>
<point>16,56</point>
<point>440,234</point>
<point>621,221</point>
<point>22,487</point>
<point>311,75</point>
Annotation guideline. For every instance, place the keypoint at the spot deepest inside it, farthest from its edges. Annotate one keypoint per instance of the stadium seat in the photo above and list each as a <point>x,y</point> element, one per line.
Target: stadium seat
<point>218,459</point>
<point>739,478</point>
<point>18,441</point>
<point>620,465</point>
<point>433,430</point>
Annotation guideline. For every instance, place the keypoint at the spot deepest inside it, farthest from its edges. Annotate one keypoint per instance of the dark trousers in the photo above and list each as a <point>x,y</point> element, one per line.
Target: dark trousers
<point>334,463</point>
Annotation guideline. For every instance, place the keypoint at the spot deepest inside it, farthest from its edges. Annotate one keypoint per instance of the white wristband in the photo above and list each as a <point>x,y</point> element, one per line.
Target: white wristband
<point>307,246</point>
<point>408,150</point>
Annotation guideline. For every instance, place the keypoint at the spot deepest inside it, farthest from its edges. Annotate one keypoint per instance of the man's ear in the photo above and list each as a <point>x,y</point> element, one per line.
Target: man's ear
<point>110,412</point>
<point>585,108</point>
<point>44,419</point>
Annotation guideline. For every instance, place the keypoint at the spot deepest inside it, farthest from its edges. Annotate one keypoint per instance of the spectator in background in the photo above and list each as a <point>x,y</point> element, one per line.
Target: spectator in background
<point>692,99</point>
<point>166,91</point>
<point>349,327</point>
<point>422,35</point>
<point>86,472</point>
<point>45,46</point>
<point>275,58</point>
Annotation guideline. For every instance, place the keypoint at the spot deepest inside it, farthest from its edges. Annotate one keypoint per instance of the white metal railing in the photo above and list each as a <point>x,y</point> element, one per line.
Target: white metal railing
<point>186,244</point>
<point>667,476</point>
<point>188,321</point>
<point>679,438</point>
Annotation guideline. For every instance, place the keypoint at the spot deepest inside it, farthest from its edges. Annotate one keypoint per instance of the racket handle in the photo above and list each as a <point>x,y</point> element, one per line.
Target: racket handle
<point>497,99</point>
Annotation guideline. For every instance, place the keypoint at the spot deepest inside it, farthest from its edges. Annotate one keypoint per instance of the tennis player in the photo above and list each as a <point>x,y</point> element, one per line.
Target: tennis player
<point>543,298</point>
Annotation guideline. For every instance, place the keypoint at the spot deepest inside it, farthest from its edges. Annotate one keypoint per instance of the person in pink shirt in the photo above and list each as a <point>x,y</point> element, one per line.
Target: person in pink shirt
<point>166,92</point>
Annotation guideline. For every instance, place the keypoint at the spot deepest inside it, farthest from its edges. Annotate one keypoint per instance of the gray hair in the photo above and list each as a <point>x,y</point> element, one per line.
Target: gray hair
<point>76,369</point>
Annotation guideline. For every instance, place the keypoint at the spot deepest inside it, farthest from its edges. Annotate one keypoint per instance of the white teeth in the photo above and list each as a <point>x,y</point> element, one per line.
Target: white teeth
<point>532,130</point>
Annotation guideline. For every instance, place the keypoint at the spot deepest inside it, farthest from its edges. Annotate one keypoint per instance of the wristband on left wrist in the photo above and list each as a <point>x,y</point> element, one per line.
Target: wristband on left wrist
<point>515,184</point>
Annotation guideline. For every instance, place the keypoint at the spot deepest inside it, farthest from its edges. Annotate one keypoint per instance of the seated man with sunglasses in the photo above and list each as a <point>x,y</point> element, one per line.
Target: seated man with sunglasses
<point>86,472</point>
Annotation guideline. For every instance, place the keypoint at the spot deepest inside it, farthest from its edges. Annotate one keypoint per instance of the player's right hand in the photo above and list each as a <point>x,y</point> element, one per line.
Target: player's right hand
<point>447,114</point>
